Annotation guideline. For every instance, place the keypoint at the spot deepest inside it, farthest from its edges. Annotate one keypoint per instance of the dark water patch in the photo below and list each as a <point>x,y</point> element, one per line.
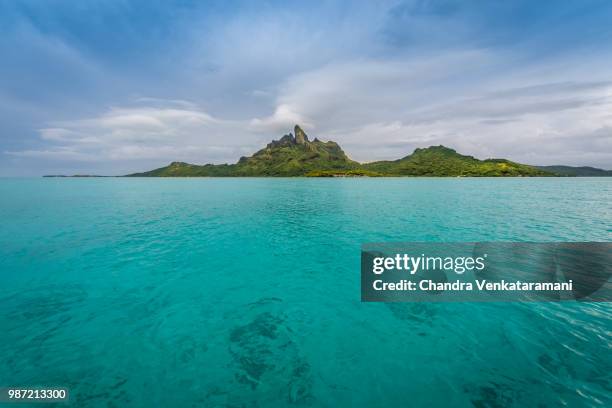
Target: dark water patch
<point>114,392</point>
<point>493,396</point>
<point>267,360</point>
<point>45,301</point>
<point>421,313</point>
<point>264,301</point>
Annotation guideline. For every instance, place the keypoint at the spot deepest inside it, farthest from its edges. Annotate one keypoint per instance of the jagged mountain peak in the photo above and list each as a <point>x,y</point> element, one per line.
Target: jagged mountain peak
<point>300,135</point>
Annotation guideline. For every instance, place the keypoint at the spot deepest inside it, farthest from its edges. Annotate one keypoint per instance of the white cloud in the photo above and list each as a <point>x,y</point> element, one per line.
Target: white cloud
<point>56,153</point>
<point>141,133</point>
<point>469,100</point>
<point>283,118</point>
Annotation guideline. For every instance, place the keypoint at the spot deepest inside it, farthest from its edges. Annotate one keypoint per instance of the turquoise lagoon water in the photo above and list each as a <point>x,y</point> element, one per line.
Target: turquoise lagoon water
<point>245,293</point>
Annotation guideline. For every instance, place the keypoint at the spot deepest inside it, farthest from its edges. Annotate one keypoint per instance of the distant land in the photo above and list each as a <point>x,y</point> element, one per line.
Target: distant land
<point>583,171</point>
<point>75,175</point>
<point>295,155</point>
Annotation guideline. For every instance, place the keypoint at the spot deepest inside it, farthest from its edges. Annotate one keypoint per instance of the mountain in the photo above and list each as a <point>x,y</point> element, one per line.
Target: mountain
<point>443,161</point>
<point>291,155</point>
<point>296,155</point>
<point>584,171</point>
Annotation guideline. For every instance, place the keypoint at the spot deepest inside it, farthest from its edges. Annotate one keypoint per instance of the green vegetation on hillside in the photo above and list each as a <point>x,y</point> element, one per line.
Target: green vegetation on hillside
<point>295,155</point>
<point>438,161</point>
<point>583,171</point>
<point>180,169</point>
<point>343,173</point>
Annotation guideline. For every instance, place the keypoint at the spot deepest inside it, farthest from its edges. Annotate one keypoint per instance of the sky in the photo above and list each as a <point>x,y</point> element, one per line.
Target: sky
<point>115,86</point>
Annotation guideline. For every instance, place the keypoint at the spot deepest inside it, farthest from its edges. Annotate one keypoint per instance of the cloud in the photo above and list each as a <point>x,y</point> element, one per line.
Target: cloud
<point>131,125</point>
<point>137,133</point>
<point>283,118</point>
<point>384,108</point>
<point>56,153</point>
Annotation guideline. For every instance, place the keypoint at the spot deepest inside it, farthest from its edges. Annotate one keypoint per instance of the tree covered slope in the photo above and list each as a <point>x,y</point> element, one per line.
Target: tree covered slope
<point>584,171</point>
<point>442,161</point>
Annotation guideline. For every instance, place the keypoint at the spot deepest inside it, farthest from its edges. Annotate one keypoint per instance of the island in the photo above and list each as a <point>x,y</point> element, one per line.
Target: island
<point>295,155</point>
